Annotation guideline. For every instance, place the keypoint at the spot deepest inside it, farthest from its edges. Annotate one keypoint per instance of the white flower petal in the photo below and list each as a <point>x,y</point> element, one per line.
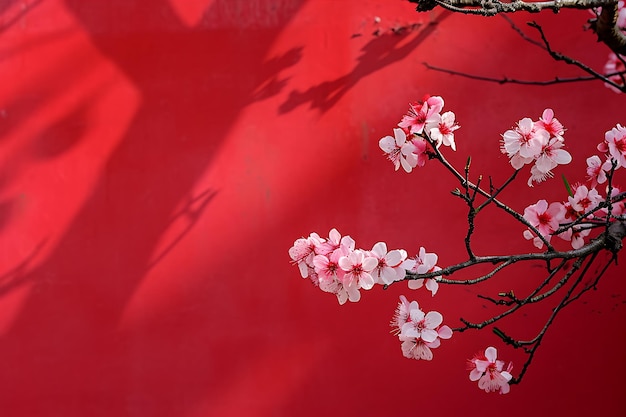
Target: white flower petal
<point>491,354</point>
<point>400,136</point>
<point>379,250</point>
<point>415,284</point>
<point>433,319</point>
<point>428,335</point>
<point>387,144</point>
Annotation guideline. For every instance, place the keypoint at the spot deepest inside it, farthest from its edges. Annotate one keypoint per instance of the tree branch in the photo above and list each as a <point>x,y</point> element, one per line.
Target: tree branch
<point>605,26</point>
<point>493,7</point>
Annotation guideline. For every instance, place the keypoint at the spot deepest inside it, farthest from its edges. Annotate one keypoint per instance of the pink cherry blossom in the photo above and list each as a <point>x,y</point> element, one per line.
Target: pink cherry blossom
<point>389,268</point>
<point>358,268</point>
<point>420,114</point>
<point>584,199</point>
<point>487,370</point>
<point>576,235</point>
<point>418,332</point>
<point>303,251</point>
<point>552,155</point>
<point>550,123</point>
<point>417,348</point>
<point>422,325</point>
<point>330,275</point>
<point>334,241</point>
<point>421,150</point>
<point>596,170</point>
<point>441,129</point>
<point>536,176</point>
<point>544,218</point>
<point>401,315</point>
<point>525,142</point>
<point>399,150</point>
<point>424,263</point>
<point>615,144</point>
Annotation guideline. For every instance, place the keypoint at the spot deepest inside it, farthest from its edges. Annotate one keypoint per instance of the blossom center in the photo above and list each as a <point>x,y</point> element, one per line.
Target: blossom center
<point>584,202</point>
<point>544,218</point>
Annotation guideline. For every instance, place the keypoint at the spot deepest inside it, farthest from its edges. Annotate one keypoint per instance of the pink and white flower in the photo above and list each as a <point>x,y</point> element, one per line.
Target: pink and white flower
<point>552,155</point>
<point>584,199</point>
<point>303,251</point>
<point>596,170</point>
<point>330,275</point>
<point>524,142</point>
<point>401,315</point>
<point>576,235</point>
<point>413,348</point>
<point>389,268</point>
<point>358,268</point>
<point>551,124</point>
<point>334,241</point>
<point>488,371</point>
<point>418,332</point>
<point>424,263</point>
<point>421,150</point>
<point>420,114</point>
<point>545,218</point>
<point>536,176</point>
<point>422,326</point>
<point>399,150</point>
<point>441,129</point>
<point>615,144</point>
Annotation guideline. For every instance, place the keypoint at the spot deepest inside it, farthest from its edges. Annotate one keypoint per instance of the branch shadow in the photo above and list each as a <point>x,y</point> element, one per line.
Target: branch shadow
<point>66,353</point>
<point>6,22</point>
<point>383,50</point>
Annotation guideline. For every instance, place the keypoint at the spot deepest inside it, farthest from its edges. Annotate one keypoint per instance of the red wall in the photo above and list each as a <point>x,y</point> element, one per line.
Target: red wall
<point>158,158</point>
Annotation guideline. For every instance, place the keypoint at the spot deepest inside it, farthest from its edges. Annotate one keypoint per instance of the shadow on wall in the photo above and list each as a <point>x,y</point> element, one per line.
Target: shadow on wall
<point>383,50</point>
<point>14,10</point>
<point>192,88</point>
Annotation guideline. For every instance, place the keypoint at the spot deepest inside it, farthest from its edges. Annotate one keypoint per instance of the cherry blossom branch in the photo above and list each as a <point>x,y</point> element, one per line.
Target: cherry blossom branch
<point>493,7</point>
<point>507,80</point>
<point>466,183</point>
<point>567,299</point>
<point>519,303</point>
<point>571,61</point>
<point>336,266</point>
<point>610,240</point>
<point>469,198</point>
<point>607,203</point>
<point>593,285</point>
<point>497,191</point>
<point>608,26</point>
<point>605,26</point>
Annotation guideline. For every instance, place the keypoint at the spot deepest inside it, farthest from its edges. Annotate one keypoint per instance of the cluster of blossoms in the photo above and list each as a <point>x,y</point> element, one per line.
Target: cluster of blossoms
<point>615,69</point>
<point>583,206</point>
<point>488,371</point>
<point>421,127</point>
<point>538,141</point>
<point>418,332</point>
<point>336,266</point>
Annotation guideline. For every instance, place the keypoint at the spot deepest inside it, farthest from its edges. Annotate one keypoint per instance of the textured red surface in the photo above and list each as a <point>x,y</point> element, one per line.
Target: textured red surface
<point>158,158</point>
